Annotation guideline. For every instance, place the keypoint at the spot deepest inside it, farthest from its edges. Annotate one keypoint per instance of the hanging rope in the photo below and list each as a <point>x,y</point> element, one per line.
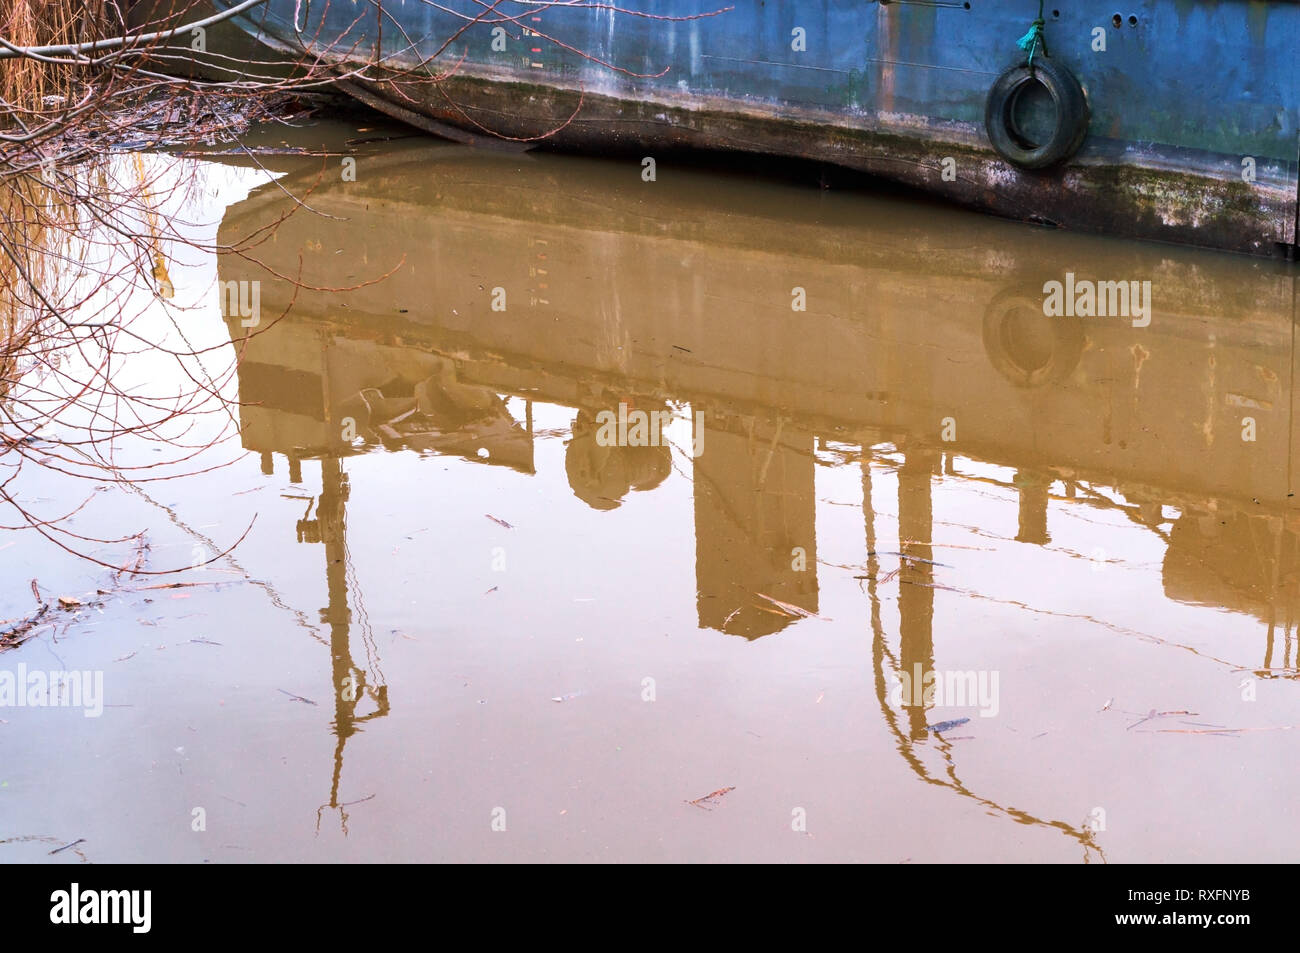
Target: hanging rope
<point>1034,39</point>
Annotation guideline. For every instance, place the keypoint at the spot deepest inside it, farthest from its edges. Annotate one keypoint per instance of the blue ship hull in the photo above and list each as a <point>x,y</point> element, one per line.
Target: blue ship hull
<point>1194,106</point>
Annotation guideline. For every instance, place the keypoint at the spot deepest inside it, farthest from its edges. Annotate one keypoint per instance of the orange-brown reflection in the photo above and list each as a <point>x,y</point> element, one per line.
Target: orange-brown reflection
<point>932,342</point>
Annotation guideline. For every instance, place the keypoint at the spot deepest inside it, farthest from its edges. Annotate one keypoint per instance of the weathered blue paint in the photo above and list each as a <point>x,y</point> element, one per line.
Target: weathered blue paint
<point>1184,93</point>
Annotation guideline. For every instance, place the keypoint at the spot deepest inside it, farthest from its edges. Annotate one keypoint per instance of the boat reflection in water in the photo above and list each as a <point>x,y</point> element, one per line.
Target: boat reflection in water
<point>923,359</point>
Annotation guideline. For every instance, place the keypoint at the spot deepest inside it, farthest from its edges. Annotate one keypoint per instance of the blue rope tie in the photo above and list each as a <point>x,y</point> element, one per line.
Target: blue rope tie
<point>1034,39</point>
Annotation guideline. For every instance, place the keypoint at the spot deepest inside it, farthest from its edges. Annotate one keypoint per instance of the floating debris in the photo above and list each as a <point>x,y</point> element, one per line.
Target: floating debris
<point>21,630</point>
<point>911,559</point>
<point>946,725</point>
<point>1221,731</point>
<point>710,798</point>
<point>790,609</point>
<point>297,698</point>
<point>1157,714</point>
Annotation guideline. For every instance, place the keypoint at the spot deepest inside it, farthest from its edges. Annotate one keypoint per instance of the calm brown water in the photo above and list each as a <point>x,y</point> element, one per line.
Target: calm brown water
<point>464,626</point>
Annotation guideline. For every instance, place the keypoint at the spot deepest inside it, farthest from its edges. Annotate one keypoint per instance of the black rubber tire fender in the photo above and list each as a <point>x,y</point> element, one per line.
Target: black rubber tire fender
<point>1072,115</point>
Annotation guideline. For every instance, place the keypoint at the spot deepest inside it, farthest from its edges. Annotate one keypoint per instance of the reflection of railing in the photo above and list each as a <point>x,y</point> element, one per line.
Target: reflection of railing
<point>907,748</point>
<point>350,682</point>
<point>917,642</point>
<point>754,501</point>
<point>753,483</point>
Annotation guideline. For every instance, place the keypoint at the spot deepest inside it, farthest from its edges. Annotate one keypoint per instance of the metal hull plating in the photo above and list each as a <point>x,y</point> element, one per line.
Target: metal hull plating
<point>1193,135</point>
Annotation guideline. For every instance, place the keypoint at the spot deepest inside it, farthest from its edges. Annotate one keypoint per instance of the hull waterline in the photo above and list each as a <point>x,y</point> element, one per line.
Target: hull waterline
<point>1194,107</point>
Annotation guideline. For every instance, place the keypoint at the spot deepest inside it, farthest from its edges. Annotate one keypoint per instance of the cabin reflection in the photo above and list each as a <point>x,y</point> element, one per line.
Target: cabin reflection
<point>907,333</point>
<point>923,349</point>
<point>1233,543</point>
<point>755,526</point>
<point>602,472</point>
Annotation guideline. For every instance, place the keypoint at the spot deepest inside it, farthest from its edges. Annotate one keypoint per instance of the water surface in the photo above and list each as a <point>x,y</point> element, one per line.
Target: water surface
<point>463,627</point>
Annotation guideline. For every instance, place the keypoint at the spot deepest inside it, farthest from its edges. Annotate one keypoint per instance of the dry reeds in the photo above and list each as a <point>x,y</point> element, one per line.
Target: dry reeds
<point>31,85</point>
